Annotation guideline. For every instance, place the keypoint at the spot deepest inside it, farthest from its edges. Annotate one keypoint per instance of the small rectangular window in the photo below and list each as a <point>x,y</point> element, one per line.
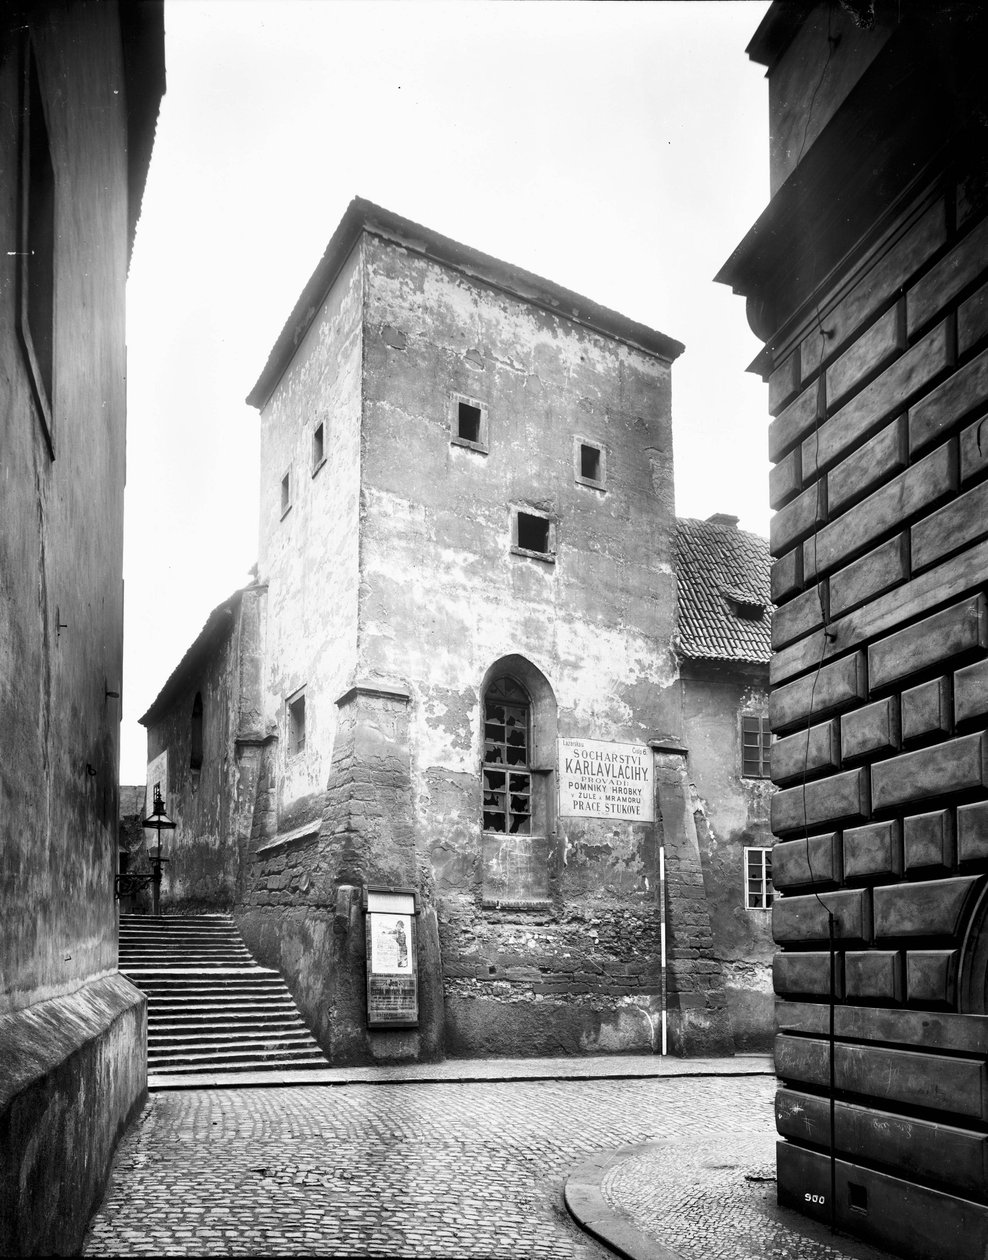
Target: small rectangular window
<point>756,747</point>
<point>533,532</point>
<point>468,423</point>
<point>286,492</point>
<point>590,464</point>
<point>318,451</point>
<point>296,723</point>
<point>758,891</point>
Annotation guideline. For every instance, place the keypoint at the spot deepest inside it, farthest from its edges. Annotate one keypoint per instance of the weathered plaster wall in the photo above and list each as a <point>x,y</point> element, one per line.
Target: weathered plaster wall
<point>72,1063</point>
<point>731,813</point>
<point>202,851</point>
<point>438,573</point>
<point>309,557</point>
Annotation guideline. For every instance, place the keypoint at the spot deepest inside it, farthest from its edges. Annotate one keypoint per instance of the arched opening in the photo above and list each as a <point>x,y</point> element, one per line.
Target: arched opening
<point>518,712</point>
<point>195,754</point>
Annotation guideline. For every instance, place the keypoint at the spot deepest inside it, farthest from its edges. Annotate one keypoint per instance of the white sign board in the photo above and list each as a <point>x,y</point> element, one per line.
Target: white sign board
<point>599,780</point>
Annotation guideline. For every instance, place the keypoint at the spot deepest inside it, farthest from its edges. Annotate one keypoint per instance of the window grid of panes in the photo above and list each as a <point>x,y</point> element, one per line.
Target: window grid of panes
<point>756,747</point>
<point>758,876</point>
<point>507,780</point>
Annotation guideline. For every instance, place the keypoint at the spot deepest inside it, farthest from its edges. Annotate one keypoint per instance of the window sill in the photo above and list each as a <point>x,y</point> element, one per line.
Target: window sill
<point>319,466</point>
<point>591,484</point>
<point>546,557</point>
<point>480,447</point>
<point>286,511</point>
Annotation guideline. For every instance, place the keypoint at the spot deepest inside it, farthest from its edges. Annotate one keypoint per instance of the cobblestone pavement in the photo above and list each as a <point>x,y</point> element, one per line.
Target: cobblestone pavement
<point>711,1199</point>
<point>443,1169</point>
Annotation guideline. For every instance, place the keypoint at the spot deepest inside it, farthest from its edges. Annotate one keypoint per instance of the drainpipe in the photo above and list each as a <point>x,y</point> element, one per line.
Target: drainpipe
<point>662,941</point>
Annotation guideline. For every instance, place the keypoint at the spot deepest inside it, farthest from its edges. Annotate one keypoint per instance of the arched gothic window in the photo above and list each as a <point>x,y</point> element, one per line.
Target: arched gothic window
<point>507,758</point>
<point>195,756</point>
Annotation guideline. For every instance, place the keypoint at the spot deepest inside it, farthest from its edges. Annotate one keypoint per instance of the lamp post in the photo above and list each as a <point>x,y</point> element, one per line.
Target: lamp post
<point>159,821</point>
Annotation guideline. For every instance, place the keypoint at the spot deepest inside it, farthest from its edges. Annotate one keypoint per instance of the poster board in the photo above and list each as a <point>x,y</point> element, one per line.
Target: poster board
<point>603,780</point>
<point>392,958</point>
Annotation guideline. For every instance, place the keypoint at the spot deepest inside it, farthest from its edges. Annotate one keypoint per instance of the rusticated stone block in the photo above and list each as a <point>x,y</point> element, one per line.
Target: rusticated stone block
<point>957,631</point>
<point>874,572</point>
<point>962,521</point>
<point>972,832</point>
<point>928,841</point>
<point>875,849</point>
<point>806,753</point>
<point>936,907</point>
<point>804,920</point>
<point>800,616</point>
<point>947,1031</point>
<point>871,730</point>
<point>884,455</point>
<point>972,320</point>
<point>834,687</point>
<point>799,863</point>
<point>887,394</point>
<point>915,1221</point>
<point>971,692</point>
<point>806,973</point>
<point>874,974</point>
<point>888,275</point>
<point>784,480</point>
<point>954,400</point>
<point>955,766</point>
<point>926,710</point>
<point>798,519</point>
<point>942,1155</point>
<point>793,423</point>
<point>841,798</point>
<point>870,351</point>
<point>931,1081</point>
<point>974,447</point>
<point>931,977</point>
<point>921,487</point>
<point>946,278</point>
<point>783,383</point>
<point>787,575</point>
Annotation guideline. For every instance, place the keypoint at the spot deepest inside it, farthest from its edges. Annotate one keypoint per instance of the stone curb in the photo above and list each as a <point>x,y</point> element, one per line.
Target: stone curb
<point>611,1226</point>
<point>752,1065</point>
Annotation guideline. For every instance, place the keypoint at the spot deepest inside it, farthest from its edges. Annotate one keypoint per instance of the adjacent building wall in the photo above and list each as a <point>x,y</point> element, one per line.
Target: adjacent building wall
<point>72,1062</point>
<point>732,814</point>
<point>866,277</point>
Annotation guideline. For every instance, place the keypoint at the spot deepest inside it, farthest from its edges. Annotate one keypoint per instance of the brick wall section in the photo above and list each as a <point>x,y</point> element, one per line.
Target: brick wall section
<point>881,564</point>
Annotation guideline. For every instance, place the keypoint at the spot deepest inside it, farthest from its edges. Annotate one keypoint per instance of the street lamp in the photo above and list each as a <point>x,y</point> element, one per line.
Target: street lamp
<point>159,821</point>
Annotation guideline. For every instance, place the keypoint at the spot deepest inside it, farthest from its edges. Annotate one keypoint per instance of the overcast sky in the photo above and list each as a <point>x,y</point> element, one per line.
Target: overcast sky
<point>620,150</point>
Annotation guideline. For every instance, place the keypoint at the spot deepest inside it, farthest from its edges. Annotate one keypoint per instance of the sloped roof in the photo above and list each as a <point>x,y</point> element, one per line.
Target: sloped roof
<point>364,216</point>
<point>725,608</point>
<point>217,626</point>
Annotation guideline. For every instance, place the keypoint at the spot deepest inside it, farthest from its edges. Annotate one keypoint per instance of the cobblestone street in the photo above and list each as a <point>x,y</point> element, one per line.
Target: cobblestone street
<point>407,1169</point>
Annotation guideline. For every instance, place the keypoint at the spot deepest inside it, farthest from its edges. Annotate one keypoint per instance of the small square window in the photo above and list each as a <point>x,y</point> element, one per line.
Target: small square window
<point>295,706</point>
<point>756,747</point>
<point>758,892</point>
<point>318,448</point>
<point>533,535</point>
<point>468,423</point>
<point>590,463</point>
<point>286,493</point>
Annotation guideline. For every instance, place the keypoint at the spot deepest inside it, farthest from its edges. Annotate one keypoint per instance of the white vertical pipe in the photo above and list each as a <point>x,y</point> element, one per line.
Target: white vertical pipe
<point>662,942</point>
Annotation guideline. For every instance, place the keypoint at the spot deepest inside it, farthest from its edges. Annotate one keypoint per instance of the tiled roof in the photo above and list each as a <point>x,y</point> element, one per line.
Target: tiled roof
<point>725,610</point>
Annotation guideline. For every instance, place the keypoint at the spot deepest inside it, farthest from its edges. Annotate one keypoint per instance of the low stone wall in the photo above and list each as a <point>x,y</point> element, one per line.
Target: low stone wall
<point>73,1076</point>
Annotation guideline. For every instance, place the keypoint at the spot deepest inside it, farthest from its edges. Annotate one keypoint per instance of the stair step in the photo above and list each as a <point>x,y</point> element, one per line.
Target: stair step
<point>230,1056</point>
<point>268,1065</point>
<point>200,1039</point>
<point>176,1026</point>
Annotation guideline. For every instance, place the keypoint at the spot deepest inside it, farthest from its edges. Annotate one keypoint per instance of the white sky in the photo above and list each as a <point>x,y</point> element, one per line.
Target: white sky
<point>618,149</point>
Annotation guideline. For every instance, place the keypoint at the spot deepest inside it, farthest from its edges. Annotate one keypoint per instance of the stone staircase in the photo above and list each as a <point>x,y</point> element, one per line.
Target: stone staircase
<point>211,1008</point>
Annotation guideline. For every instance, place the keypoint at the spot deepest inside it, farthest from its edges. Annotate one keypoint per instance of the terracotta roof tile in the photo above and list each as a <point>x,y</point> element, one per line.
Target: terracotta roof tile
<point>725,609</point>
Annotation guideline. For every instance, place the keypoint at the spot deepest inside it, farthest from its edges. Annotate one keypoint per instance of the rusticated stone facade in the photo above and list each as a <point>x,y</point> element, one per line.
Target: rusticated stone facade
<point>866,277</point>
<point>467,549</point>
<point>80,86</point>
